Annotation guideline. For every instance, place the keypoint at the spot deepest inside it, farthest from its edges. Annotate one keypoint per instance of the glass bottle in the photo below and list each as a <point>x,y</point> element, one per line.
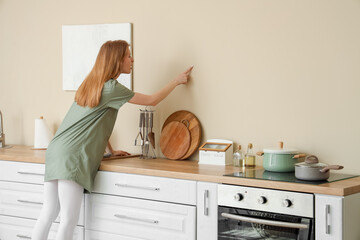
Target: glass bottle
<point>249,157</point>
<point>238,157</point>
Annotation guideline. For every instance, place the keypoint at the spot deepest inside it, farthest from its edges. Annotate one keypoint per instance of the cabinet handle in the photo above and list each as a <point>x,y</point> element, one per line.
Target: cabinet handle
<point>27,201</point>
<point>30,173</point>
<point>136,219</point>
<point>138,187</point>
<point>206,202</point>
<point>327,219</point>
<point>23,236</point>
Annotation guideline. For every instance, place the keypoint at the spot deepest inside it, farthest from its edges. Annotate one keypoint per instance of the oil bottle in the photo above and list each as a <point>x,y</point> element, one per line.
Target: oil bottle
<point>249,156</point>
<point>238,157</point>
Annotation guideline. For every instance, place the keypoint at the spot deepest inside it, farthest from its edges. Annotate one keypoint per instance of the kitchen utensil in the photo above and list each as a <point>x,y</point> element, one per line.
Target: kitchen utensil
<point>153,153</point>
<point>312,170</point>
<point>280,159</point>
<point>194,128</point>
<point>146,137</point>
<point>143,134</point>
<point>175,140</point>
<point>140,129</point>
<point>151,134</point>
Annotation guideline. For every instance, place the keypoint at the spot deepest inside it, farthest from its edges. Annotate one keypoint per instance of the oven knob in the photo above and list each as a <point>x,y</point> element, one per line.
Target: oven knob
<point>239,197</point>
<point>287,203</point>
<point>262,200</point>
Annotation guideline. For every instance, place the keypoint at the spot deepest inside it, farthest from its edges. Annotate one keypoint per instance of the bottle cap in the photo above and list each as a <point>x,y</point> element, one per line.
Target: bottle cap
<point>250,145</point>
<point>239,147</point>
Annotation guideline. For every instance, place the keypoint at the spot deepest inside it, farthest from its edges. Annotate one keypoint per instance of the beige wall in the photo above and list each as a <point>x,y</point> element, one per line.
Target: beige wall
<point>264,71</point>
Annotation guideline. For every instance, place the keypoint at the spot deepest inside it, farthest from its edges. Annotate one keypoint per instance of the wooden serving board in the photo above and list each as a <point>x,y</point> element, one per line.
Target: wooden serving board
<point>194,128</point>
<point>175,140</point>
<point>119,157</point>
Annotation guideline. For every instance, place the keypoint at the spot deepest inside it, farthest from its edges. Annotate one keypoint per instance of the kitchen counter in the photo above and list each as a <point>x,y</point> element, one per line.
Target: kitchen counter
<point>190,170</point>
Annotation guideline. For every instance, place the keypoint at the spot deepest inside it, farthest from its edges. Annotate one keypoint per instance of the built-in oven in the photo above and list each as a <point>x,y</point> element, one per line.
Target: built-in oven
<point>257,213</point>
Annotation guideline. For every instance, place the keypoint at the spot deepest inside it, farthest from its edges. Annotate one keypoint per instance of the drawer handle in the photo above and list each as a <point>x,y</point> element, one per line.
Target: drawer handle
<point>137,219</point>
<point>27,201</point>
<point>206,202</point>
<point>23,236</point>
<point>138,187</point>
<point>31,173</point>
<point>327,219</point>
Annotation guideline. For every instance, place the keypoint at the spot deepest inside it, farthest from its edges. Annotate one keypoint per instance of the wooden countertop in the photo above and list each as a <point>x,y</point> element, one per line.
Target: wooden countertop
<point>190,170</point>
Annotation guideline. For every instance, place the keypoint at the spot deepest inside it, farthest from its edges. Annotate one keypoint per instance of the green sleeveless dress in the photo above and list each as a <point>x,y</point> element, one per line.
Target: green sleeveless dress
<point>76,151</point>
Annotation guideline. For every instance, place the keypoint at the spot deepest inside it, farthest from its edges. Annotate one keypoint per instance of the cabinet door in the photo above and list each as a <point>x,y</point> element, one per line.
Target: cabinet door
<point>207,211</point>
<point>146,187</point>
<point>138,218</point>
<point>328,217</point>
<point>12,228</point>
<point>351,217</point>
<point>26,200</point>
<point>22,172</point>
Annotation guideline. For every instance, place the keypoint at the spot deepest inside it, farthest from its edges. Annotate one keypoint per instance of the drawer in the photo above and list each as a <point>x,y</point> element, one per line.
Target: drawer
<point>94,235</point>
<point>139,218</point>
<point>22,172</point>
<point>147,187</point>
<point>25,200</point>
<point>12,228</point>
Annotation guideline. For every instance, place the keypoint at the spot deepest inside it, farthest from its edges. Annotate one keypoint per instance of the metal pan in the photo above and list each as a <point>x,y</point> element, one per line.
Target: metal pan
<point>312,170</point>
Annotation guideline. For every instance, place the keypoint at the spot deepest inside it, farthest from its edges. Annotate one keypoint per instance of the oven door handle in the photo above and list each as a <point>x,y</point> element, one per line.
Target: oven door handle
<point>264,221</point>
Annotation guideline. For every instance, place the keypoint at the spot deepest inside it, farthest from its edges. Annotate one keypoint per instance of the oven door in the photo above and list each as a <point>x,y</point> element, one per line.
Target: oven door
<point>235,223</point>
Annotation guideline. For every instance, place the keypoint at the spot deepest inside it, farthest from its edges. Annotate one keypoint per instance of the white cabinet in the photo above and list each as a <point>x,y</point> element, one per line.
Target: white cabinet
<point>138,218</point>
<point>336,217</point>
<point>22,172</point>
<point>207,211</point>
<point>26,200</point>
<point>146,187</point>
<point>12,228</point>
<point>134,207</point>
<point>137,207</point>
<point>21,199</point>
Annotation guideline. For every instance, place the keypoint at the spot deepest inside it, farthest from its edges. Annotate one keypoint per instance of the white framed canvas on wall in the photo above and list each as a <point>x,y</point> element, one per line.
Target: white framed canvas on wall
<point>80,46</point>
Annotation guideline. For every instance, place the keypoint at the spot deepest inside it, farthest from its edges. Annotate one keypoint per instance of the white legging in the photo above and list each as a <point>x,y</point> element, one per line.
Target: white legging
<point>64,196</point>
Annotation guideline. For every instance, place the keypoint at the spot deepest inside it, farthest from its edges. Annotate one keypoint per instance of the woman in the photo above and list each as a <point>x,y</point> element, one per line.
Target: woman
<point>74,155</point>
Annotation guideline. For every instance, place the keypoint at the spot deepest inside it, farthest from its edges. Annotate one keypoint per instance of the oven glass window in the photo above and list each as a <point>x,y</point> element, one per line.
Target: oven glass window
<point>231,228</point>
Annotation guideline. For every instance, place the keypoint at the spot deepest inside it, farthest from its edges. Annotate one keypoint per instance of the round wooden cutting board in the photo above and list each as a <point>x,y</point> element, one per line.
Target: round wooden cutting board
<point>194,128</point>
<point>175,140</point>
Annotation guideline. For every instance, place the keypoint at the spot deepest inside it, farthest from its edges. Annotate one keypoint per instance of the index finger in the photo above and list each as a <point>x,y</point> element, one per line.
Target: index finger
<point>189,69</point>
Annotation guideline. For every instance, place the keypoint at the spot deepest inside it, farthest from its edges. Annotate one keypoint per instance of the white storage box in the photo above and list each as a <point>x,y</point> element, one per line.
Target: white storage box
<point>216,152</point>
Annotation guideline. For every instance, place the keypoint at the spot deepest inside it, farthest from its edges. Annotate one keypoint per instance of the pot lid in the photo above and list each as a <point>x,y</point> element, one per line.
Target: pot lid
<point>281,150</point>
<point>311,161</point>
<point>311,165</point>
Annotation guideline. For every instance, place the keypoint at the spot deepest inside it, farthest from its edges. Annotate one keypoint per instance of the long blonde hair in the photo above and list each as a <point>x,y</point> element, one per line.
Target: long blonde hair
<point>107,65</point>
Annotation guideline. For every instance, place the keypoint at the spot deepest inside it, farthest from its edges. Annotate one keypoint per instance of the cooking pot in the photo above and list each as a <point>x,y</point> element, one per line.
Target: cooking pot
<point>280,159</point>
<point>312,170</point>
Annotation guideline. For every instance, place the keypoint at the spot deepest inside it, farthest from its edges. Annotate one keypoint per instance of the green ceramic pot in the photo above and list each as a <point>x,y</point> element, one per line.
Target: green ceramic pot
<point>280,160</point>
